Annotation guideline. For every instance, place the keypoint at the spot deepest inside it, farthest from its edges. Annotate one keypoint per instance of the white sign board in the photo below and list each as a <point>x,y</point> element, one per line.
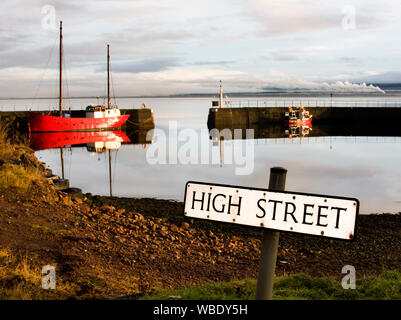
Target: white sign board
<point>321,215</point>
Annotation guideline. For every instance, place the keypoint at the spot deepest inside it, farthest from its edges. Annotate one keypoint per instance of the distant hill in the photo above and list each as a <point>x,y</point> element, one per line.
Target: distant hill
<point>390,88</point>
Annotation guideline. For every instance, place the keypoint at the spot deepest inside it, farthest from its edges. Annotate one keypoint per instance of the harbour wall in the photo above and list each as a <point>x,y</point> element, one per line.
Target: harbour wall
<point>263,116</point>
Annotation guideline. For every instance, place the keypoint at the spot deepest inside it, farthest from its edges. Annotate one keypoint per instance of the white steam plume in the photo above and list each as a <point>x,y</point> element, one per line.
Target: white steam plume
<point>342,86</point>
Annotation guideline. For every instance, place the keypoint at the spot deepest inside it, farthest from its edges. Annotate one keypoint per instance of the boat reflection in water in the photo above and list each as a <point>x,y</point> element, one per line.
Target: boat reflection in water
<point>298,122</point>
<point>95,141</point>
<point>298,131</point>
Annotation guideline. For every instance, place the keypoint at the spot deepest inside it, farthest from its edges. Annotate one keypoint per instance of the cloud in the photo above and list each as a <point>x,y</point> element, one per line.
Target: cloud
<point>27,58</point>
<point>294,53</point>
<point>338,86</point>
<point>285,55</point>
<point>146,65</point>
<point>302,17</point>
<point>349,60</point>
<point>185,46</point>
<point>212,63</point>
<point>382,77</point>
<point>162,77</point>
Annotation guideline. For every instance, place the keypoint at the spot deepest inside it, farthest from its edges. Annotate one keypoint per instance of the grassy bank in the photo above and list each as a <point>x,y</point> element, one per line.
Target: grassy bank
<point>294,287</point>
<point>21,279</point>
<point>11,145</point>
<point>14,152</point>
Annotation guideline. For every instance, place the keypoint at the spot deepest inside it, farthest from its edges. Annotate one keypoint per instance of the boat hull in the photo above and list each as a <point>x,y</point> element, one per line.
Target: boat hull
<point>45,123</point>
<point>50,140</point>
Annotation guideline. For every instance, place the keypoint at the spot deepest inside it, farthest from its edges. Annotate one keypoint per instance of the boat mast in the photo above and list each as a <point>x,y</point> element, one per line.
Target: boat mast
<point>61,92</point>
<point>108,76</point>
<point>61,70</point>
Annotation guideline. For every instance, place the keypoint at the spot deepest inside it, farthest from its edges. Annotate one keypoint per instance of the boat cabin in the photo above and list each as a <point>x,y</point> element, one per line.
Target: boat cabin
<point>297,113</point>
<point>298,131</point>
<point>99,111</point>
<point>102,146</point>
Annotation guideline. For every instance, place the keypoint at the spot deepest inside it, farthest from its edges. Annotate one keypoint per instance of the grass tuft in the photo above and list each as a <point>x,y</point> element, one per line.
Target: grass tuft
<point>15,176</point>
<point>10,149</point>
<point>20,280</point>
<point>18,177</point>
<point>295,287</point>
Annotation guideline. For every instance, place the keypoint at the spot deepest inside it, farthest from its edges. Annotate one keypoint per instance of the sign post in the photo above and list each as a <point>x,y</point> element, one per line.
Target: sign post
<point>264,288</point>
<point>275,210</point>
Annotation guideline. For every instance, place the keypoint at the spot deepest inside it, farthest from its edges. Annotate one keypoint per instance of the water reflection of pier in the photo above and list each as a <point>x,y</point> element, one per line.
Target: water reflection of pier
<point>357,132</point>
<point>261,140</point>
<point>329,139</point>
<point>269,123</point>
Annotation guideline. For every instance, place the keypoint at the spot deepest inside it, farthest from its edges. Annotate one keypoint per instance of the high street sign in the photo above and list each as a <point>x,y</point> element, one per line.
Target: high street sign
<point>321,215</point>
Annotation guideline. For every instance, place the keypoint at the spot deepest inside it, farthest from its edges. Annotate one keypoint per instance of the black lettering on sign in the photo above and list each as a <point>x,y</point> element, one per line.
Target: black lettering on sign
<point>320,215</point>
<point>287,204</point>
<point>338,214</point>
<point>208,201</point>
<point>306,206</point>
<point>274,207</point>
<point>234,205</point>
<point>200,200</point>
<point>261,208</point>
<point>214,202</point>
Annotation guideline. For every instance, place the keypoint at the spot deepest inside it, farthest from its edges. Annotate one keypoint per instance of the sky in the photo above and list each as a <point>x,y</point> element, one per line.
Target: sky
<point>177,47</point>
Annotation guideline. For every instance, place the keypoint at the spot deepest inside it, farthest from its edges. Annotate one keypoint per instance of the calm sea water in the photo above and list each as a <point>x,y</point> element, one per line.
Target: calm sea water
<point>365,168</point>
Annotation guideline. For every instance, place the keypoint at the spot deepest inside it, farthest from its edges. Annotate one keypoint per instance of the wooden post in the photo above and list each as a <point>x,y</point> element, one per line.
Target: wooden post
<point>264,289</point>
<point>62,162</point>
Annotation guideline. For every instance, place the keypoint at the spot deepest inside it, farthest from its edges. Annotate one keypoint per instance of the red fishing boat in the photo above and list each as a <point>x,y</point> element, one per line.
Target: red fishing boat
<point>99,139</point>
<point>96,117</point>
<point>44,123</point>
<point>297,116</point>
